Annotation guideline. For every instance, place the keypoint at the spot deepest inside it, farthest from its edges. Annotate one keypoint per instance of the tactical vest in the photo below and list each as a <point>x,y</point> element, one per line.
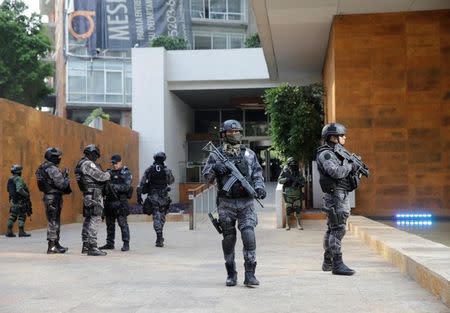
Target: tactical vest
<point>118,178</point>
<point>44,182</point>
<point>11,187</point>
<point>241,163</point>
<point>328,183</point>
<point>157,177</point>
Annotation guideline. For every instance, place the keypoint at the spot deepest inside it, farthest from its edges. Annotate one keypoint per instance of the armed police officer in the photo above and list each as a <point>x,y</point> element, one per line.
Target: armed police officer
<point>339,175</point>
<point>54,183</point>
<point>116,203</point>
<point>155,183</point>
<point>293,181</point>
<point>91,180</point>
<point>19,199</point>
<point>235,204</point>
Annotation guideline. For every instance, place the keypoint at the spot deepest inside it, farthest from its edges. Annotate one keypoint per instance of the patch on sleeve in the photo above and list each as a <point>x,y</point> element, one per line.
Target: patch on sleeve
<point>327,156</point>
<point>93,165</point>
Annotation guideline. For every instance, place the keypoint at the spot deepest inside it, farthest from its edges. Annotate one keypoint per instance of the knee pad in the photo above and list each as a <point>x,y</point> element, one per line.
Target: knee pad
<point>248,238</point>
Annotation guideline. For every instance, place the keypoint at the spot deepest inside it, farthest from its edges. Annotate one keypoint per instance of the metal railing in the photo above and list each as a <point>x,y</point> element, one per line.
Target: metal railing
<point>202,200</point>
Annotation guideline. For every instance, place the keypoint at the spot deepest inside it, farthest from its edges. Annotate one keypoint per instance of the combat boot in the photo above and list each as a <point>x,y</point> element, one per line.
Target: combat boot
<point>9,233</point>
<point>108,246</point>
<point>95,251</point>
<point>339,268</point>
<point>60,247</point>
<point>52,248</point>
<point>250,279</point>
<point>22,233</point>
<point>327,262</point>
<point>159,240</point>
<point>231,274</point>
<point>85,248</point>
<point>126,246</point>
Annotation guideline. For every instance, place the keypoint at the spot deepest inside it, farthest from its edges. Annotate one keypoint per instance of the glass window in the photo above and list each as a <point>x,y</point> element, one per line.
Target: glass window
<point>202,41</point>
<point>218,9</point>
<point>198,9</point>
<point>113,65</point>
<point>95,82</point>
<point>236,41</point>
<point>96,97</point>
<point>113,82</point>
<point>235,6</point>
<point>77,81</point>
<point>207,122</point>
<point>256,123</point>
<point>219,42</point>
<point>232,114</point>
<point>114,98</point>
<point>76,65</point>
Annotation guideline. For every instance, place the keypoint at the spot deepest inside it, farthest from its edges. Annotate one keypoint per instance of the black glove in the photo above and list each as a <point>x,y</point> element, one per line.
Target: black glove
<point>355,167</point>
<point>220,169</point>
<point>260,193</point>
<point>139,195</point>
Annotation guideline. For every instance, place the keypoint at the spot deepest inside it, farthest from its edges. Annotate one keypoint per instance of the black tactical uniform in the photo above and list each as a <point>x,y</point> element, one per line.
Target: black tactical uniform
<point>53,183</point>
<point>336,182</point>
<point>155,183</point>
<point>236,205</point>
<point>91,180</point>
<point>116,204</point>
<point>19,199</point>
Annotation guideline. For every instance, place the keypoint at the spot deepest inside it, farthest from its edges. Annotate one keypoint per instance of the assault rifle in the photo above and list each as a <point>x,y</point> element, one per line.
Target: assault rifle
<point>215,223</point>
<point>362,169</point>
<point>236,175</point>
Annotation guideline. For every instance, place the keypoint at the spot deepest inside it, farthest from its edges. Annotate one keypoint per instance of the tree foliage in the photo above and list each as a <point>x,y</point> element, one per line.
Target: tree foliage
<point>170,43</point>
<point>296,119</point>
<point>98,112</point>
<point>253,41</point>
<point>23,46</point>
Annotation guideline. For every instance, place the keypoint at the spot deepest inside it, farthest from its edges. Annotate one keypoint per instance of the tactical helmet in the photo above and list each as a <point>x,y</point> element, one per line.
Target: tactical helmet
<point>231,125</point>
<point>291,161</point>
<point>16,169</point>
<point>333,129</point>
<point>159,157</point>
<point>53,155</point>
<point>92,151</point>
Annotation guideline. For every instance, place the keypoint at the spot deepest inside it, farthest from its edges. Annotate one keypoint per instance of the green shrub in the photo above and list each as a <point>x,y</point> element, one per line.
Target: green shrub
<point>169,43</point>
<point>253,41</point>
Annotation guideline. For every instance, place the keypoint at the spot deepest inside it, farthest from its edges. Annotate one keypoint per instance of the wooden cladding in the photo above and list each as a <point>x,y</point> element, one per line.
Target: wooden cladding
<point>390,79</point>
<point>26,133</point>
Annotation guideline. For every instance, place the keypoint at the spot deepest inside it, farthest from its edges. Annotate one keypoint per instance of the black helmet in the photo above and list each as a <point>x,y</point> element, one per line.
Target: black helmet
<point>16,169</point>
<point>159,157</point>
<point>53,155</point>
<point>333,129</point>
<point>92,152</point>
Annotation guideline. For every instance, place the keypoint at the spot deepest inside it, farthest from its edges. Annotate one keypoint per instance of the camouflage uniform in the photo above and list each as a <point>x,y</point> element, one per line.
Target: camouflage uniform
<point>58,184</point>
<point>292,192</point>
<point>155,183</point>
<point>93,179</point>
<point>117,208</point>
<point>236,205</point>
<point>19,199</point>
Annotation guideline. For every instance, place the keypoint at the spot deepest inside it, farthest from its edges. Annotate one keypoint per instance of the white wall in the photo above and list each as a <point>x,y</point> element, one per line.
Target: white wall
<point>219,65</point>
<point>179,120</point>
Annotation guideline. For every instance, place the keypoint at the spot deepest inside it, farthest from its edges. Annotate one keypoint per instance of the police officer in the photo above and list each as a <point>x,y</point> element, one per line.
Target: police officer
<point>293,182</point>
<point>236,205</point>
<point>335,175</point>
<point>116,203</point>
<point>91,180</point>
<point>19,198</point>
<point>154,183</point>
<point>53,183</point>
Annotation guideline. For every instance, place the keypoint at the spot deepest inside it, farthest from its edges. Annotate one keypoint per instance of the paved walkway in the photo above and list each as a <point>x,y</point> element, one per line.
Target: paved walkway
<point>188,275</point>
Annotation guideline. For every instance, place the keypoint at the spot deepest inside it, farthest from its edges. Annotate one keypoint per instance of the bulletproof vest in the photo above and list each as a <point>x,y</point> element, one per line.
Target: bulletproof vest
<point>118,178</point>
<point>236,191</point>
<point>11,187</point>
<point>44,181</point>
<point>79,175</point>
<point>328,183</point>
<point>157,177</point>
<point>295,173</point>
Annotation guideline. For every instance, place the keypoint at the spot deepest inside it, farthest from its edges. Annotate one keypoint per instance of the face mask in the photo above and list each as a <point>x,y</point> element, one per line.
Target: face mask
<point>234,139</point>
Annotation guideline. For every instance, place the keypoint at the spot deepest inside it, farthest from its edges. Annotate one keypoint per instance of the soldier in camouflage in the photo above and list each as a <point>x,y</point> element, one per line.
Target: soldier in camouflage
<point>236,205</point>
<point>53,183</point>
<point>116,203</point>
<point>335,174</point>
<point>154,183</point>
<point>19,199</point>
<point>293,181</point>
<point>91,180</point>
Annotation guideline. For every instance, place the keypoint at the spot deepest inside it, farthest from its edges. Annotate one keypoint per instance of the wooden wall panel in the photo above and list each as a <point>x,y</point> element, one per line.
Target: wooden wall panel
<point>26,133</point>
<point>392,89</point>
